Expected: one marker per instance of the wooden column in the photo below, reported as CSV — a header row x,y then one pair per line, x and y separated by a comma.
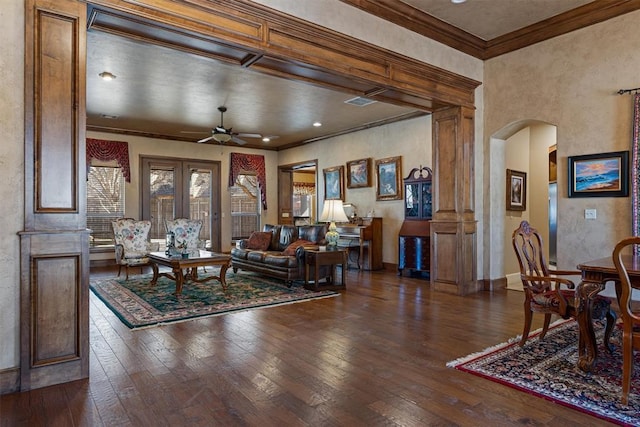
x,y
453,228
54,245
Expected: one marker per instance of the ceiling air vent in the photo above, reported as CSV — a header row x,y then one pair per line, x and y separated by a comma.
x,y
359,101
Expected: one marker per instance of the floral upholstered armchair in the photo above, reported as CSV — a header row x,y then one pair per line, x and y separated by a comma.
x,y
132,243
186,233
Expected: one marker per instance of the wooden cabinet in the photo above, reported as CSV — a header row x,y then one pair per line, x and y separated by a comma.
x,y
414,239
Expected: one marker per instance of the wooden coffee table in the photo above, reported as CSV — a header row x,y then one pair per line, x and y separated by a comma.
x,y
184,269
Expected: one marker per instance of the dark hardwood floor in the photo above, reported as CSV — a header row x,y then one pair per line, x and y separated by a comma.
x,y
374,356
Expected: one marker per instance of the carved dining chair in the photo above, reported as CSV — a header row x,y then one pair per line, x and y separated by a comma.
x,y
630,318
132,245
543,288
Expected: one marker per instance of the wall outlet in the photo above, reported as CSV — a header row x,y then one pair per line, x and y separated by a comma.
x,y
590,214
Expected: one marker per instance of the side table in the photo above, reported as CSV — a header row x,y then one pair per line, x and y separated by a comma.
x,y
315,259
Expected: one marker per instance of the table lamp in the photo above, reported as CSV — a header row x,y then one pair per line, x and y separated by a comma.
x,y
332,212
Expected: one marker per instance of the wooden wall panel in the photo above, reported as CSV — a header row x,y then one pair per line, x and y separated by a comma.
x,y
453,228
445,132
55,298
56,56
54,244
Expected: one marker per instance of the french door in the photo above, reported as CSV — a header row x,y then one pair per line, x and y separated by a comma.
x,y
181,188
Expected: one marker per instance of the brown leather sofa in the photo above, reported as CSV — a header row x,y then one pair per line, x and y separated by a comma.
x,y
276,261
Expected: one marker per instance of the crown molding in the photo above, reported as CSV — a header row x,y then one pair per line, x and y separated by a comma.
x,y
422,23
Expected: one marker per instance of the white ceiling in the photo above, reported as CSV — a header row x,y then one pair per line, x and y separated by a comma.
x,y
168,93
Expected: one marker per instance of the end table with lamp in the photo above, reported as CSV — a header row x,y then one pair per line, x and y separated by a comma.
x,y
331,256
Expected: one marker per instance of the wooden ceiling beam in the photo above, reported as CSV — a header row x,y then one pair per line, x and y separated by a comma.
x,y
287,46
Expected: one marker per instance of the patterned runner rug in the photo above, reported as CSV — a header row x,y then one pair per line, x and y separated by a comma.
x,y
548,369
139,304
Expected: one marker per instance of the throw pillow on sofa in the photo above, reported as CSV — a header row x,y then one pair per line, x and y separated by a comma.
x,y
259,240
291,249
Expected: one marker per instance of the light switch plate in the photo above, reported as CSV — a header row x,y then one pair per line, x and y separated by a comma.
x,y
590,214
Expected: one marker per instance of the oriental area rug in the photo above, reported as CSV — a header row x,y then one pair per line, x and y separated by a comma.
x,y
547,368
138,304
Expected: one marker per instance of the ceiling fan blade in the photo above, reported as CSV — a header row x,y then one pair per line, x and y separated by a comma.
x,y
195,131
238,140
249,135
206,139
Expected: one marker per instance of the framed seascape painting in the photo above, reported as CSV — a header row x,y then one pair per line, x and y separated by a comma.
x,y
334,183
359,173
599,175
516,190
388,177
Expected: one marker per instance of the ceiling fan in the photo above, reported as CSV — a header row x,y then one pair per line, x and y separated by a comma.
x,y
221,134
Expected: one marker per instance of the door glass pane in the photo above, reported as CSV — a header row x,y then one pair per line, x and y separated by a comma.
x,y
162,200
200,201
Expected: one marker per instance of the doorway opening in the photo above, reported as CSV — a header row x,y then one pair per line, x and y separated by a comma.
x,y
297,201
527,146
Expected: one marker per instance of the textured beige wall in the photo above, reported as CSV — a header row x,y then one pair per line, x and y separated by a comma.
x,y
11,167
571,82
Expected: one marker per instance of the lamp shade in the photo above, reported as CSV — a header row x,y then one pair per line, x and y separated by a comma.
x,y
333,211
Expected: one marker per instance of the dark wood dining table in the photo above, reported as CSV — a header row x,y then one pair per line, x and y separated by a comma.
x,y
595,275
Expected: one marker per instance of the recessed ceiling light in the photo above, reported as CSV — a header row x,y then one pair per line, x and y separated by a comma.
x,y
107,76
458,1
317,124
266,139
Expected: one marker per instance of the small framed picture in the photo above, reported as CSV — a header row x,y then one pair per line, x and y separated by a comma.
x,y
334,183
388,176
599,175
516,190
359,173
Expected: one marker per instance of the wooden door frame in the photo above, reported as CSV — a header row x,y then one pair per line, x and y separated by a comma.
x,y
243,33
285,188
181,179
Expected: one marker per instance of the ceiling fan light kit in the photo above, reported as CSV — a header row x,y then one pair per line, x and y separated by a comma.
x,y
221,134
221,137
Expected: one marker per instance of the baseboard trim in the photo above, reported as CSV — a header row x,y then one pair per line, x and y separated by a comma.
x,y
9,380
495,284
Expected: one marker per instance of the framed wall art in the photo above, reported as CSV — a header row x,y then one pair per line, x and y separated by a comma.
x,y
599,175
516,190
388,178
334,183
359,173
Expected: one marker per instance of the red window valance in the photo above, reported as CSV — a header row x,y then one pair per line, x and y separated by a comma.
x,y
249,163
107,151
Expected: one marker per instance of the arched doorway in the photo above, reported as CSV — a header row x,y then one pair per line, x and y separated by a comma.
x,y
524,146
